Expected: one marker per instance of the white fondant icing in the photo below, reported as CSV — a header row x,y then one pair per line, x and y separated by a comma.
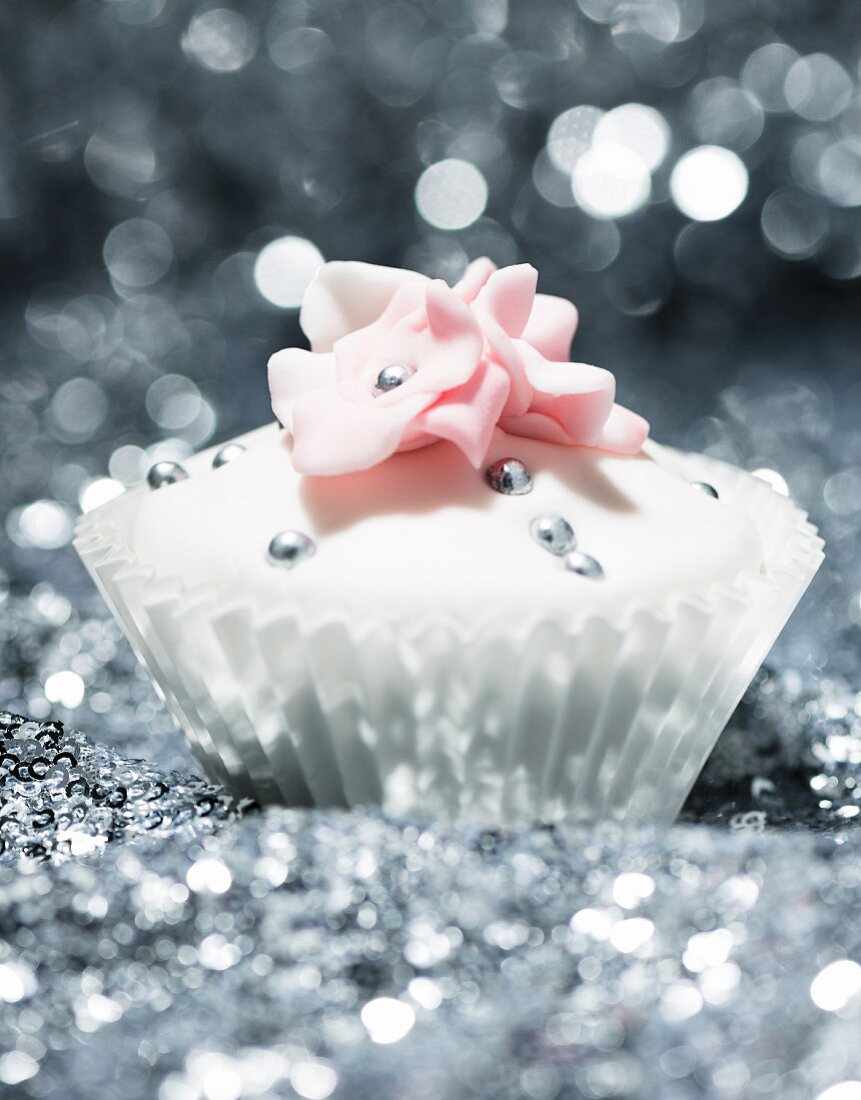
x,y
424,531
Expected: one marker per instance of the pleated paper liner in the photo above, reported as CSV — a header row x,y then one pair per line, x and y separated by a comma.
x,y
549,720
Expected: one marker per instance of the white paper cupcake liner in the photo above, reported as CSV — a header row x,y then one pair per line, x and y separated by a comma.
x,y
544,720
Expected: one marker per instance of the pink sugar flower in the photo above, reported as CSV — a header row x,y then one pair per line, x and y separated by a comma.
x,y
398,361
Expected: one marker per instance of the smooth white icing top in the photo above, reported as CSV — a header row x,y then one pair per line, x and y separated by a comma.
x,y
424,532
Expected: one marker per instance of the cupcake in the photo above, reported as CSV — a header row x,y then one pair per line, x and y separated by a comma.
x,y
455,578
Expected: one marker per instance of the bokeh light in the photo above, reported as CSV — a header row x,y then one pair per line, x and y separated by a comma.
x,y
78,409
98,491
722,113
451,194
817,87
313,1080
387,1020
641,129
42,525
603,159
764,74
173,401
839,173
610,181
128,464
284,269
793,223
120,160
844,1090
708,183
137,253
220,39
570,136
836,985
65,688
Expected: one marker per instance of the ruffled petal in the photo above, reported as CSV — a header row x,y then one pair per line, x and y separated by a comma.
x,y
294,372
536,425
508,296
474,278
488,351
581,415
354,351
564,379
332,435
348,295
576,395
551,326
468,415
440,342
451,344
491,307
625,432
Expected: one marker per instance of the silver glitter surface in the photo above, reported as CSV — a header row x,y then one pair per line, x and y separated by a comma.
x,y
336,954
61,795
171,176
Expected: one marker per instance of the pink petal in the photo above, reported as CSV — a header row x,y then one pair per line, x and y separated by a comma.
x,y
577,396
345,296
449,349
535,425
508,297
294,372
564,379
503,351
625,432
353,351
332,435
501,346
474,278
448,317
551,326
440,341
468,415
581,415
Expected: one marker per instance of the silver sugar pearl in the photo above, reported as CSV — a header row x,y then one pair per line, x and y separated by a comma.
x,y
584,565
165,473
288,548
509,476
704,487
228,453
554,533
391,377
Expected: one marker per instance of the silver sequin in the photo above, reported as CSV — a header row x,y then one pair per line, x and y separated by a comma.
x,y
509,476
584,565
391,377
228,453
288,548
554,533
704,487
165,473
